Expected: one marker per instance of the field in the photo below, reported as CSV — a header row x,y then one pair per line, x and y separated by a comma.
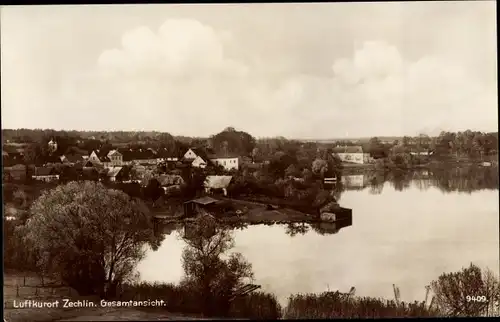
x,y
20,287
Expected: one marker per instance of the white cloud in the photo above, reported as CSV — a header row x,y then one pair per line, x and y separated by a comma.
x,y
179,79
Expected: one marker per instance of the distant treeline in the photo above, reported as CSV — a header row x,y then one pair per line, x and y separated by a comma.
x,y
461,144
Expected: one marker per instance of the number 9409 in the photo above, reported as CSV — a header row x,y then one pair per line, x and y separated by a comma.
x,y
478,298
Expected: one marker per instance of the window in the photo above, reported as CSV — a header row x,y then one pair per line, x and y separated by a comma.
x,y
224,162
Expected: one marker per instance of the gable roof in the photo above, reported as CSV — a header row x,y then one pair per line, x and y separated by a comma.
x,y
348,149
201,152
217,182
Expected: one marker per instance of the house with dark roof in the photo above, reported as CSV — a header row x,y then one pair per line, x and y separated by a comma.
x,y
140,156
71,158
46,174
98,158
351,154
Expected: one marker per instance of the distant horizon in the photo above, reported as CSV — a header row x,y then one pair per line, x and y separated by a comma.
x,y
256,137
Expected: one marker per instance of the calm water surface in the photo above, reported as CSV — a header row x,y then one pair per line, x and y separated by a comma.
x,y
404,232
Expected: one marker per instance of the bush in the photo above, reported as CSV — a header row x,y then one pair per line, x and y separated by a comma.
x,y
257,305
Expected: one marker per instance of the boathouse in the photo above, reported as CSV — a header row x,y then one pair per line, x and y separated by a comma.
x,y
192,207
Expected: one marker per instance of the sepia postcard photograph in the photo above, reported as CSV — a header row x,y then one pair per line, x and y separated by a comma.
x,y
250,161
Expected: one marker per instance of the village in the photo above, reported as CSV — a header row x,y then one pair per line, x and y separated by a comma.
x,y
222,181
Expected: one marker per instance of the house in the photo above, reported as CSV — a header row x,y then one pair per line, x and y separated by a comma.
x,y
71,158
46,174
113,173
12,158
196,157
16,172
52,159
229,161
192,207
191,154
115,157
215,183
97,158
199,163
170,182
140,156
352,154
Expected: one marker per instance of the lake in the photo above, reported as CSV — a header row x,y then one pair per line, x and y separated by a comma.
x,y
407,229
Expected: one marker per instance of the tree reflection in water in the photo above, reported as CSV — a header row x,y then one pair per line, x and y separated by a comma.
x,y
446,179
293,229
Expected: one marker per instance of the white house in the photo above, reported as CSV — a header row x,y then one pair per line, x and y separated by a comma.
x,y
352,154
229,162
94,158
190,154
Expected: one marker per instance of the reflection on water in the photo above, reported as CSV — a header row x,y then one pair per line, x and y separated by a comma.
x,y
409,229
461,179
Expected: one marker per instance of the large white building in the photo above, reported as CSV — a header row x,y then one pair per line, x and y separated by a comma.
x,y
352,154
227,161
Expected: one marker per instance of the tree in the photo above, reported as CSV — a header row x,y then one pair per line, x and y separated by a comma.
x,y
237,141
89,236
212,278
153,190
451,291
292,171
255,154
319,167
376,148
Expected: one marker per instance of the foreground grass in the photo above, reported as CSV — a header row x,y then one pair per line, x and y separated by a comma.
x,y
257,305
330,305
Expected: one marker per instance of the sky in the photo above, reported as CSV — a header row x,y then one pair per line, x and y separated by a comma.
x,y
315,71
